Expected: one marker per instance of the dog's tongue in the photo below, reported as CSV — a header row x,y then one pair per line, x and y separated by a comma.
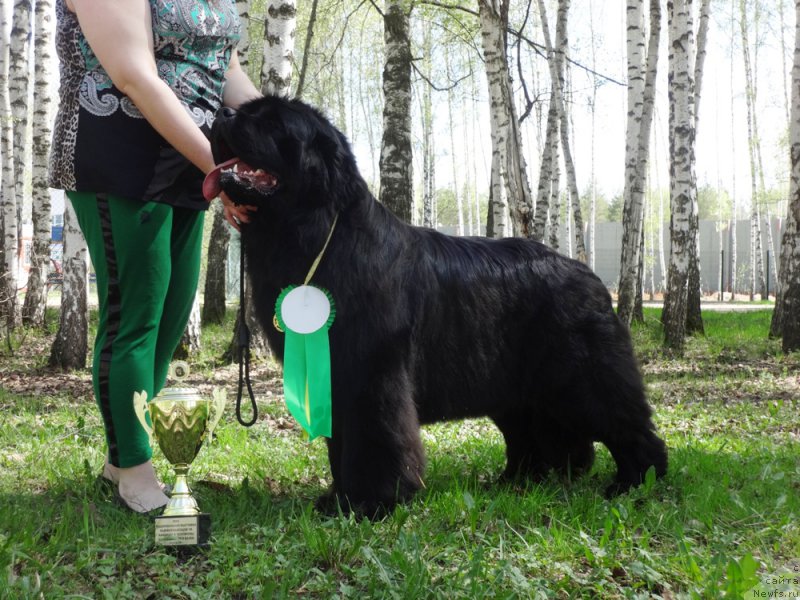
x,y
211,186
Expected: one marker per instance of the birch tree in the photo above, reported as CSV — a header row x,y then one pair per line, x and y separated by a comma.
x,y
428,140
569,163
396,169
694,317
757,279
279,31
35,298
215,291
276,76
786,317
642,71
190,340
683,186
18,87
312,22
548,168
243,48
71,344
8,212
504,125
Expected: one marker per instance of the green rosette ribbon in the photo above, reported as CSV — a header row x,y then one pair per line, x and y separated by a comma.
x,y
305,313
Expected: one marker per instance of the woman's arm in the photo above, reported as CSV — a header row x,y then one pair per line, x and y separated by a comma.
x,y
238,87
120,34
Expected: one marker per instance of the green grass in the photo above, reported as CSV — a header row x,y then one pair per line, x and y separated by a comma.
x,y
726,516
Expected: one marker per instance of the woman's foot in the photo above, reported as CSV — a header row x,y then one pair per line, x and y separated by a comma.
x,y
111,474
138,487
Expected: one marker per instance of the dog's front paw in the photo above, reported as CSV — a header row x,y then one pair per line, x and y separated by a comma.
x,y
332,504
328,504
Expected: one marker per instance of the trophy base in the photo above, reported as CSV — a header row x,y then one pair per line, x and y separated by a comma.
x,y
187,532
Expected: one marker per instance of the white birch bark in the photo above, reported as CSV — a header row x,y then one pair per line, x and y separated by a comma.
x,y
786,316
554,202
429,216
190,340
312,22
549,164
243,49
35,298
593,179
734,237
562,47
785,69
497,225
642,70
71,343
396,168
279,32
683,186
19,84
506,135
694,317
14,133
757,271
215,288
451,123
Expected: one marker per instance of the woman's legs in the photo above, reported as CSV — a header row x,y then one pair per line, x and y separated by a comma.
x,y
185,248
146,265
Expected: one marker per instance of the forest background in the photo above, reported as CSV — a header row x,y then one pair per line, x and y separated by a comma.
x,y
338,56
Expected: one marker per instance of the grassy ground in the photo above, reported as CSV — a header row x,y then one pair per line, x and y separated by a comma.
x,y
726,518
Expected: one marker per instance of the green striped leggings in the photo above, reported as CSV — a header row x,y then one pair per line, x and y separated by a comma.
x,y
147,260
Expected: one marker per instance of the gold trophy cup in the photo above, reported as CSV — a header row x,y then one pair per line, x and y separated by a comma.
x,y
181,420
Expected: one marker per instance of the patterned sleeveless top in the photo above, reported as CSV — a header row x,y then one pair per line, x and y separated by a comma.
x,y
102,143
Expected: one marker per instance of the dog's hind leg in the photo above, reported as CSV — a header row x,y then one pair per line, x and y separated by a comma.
x,y
634,456
536,444
609,405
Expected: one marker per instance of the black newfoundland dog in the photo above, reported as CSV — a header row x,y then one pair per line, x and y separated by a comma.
x,y
429,327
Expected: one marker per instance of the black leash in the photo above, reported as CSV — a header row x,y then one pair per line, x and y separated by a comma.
x,y
243,349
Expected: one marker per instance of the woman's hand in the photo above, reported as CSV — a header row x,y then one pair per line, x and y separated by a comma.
x,y
235,214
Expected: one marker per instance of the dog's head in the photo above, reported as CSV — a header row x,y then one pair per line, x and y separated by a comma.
x,y
280,154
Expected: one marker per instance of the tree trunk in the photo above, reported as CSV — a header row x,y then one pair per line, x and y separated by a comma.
x,y
453,160
14,169
757,271
396,169
786,317
506,138
569,164
683,186
279,30
71,344
215,292
549,164
642,73
312,21
190,340
554,202
694,316
243,48
734,238
429,216
593,153
36,297
496,223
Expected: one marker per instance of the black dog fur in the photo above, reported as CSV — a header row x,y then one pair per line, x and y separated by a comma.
x,y
431,327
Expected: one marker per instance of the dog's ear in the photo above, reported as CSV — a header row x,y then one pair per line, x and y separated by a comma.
x,y
323,160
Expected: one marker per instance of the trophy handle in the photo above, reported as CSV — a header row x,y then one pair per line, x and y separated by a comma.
x,y
141,410
217,406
